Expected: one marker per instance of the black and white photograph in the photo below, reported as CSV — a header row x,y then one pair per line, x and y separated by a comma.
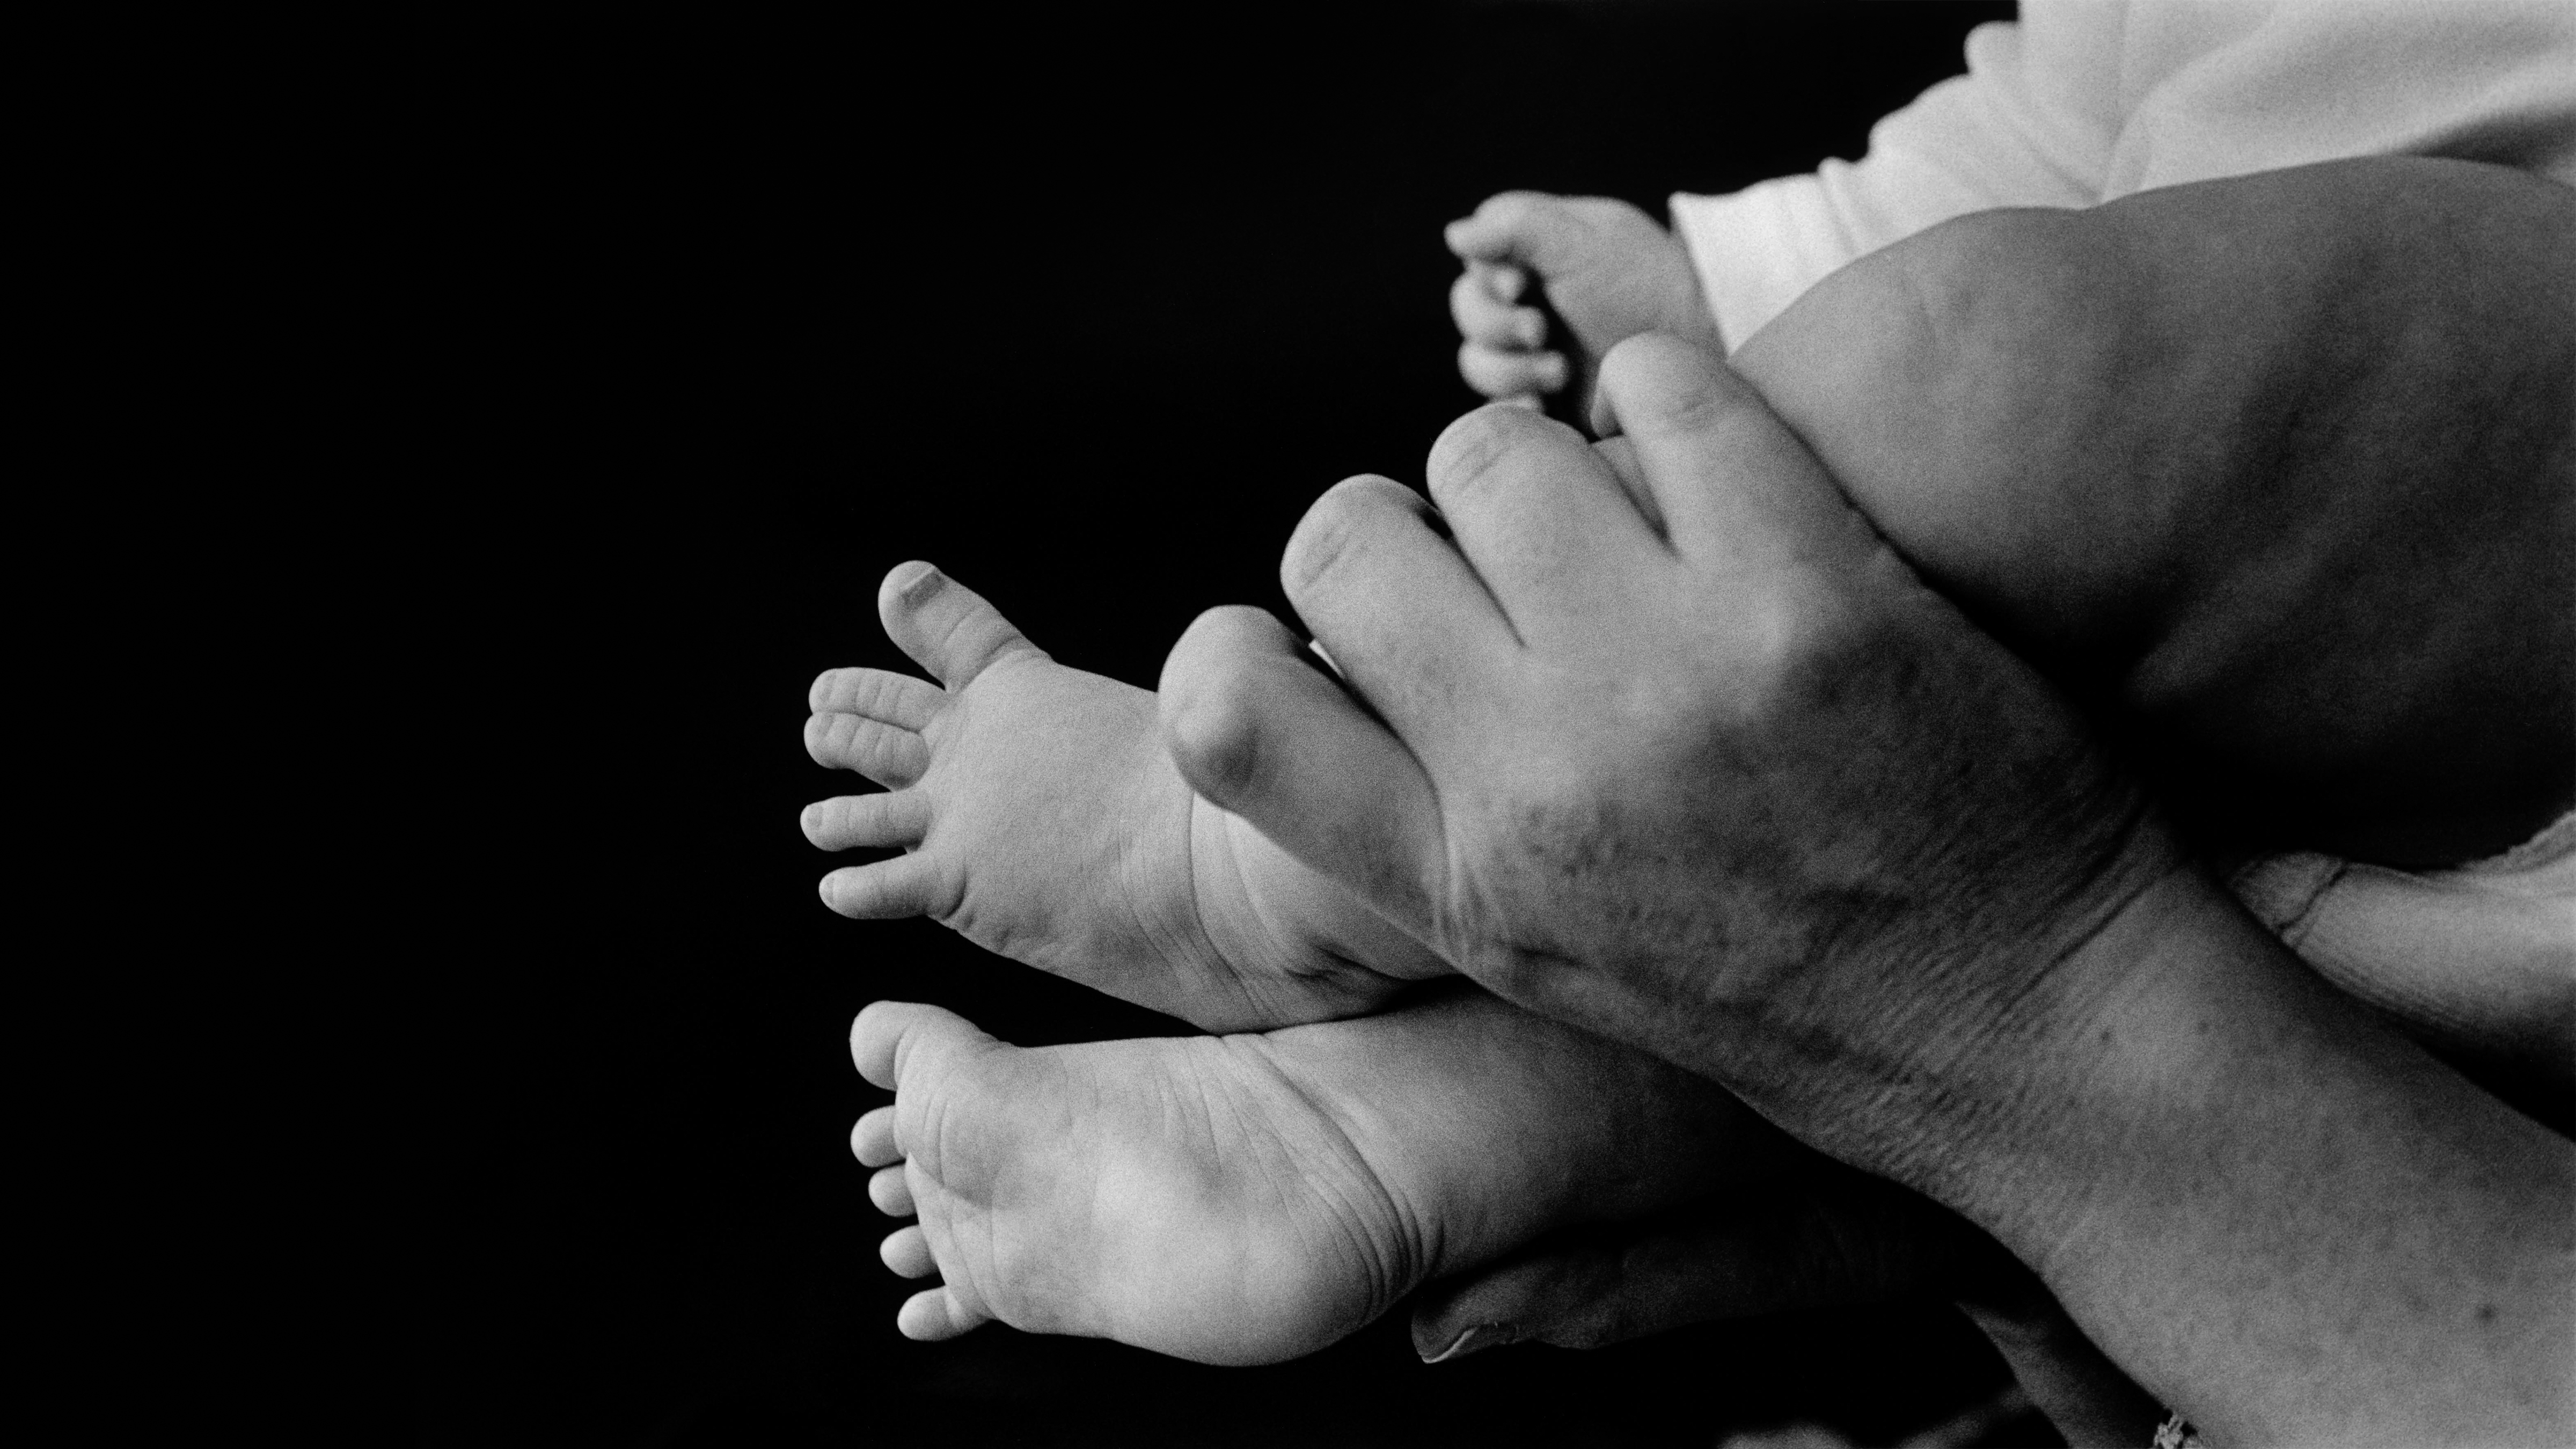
x,y
1463,723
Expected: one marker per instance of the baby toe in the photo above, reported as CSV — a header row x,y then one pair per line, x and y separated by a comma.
x,y
936,1313
944,626
889,890
890,756
872,1141
907,1252
867,821
891,1192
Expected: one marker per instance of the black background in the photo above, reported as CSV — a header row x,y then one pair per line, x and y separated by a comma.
x,y
699,331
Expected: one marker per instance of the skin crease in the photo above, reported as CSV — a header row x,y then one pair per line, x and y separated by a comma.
x,y
1949,946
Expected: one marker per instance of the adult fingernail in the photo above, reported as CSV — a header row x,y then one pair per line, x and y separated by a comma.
x,y
1476,1339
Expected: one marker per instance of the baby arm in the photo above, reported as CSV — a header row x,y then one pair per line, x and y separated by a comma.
x,y
1041,818
1608,270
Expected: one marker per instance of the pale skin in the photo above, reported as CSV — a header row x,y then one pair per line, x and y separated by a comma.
x,y
1224,997
1042,819
1903,907
2320,372
1253,1197
1608,270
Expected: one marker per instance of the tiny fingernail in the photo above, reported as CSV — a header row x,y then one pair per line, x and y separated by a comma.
x,y
1475,1340
811,821
823,888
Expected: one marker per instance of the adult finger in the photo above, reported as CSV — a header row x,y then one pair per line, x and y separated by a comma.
x,y
1730,479
1621,456
1259,731
1405,619
1542,518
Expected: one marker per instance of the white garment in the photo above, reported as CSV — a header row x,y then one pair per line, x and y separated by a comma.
x,y
2083,101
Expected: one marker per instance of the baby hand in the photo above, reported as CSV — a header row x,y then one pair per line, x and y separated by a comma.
x,y
1607,268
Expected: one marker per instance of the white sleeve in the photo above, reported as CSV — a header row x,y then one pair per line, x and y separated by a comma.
x,y
2084,101
2319,80
2032,123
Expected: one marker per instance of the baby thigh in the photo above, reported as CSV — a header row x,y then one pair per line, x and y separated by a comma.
x,y
2275,472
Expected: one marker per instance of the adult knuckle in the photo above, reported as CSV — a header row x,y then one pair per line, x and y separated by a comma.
x,y
1327,540
1216,735
1797,644
1469,450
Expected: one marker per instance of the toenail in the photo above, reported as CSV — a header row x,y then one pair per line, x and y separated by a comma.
x,y
921,586
1476,1339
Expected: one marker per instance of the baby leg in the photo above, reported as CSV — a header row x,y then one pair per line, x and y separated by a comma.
x,y
2277,469
1246,1199
1041,818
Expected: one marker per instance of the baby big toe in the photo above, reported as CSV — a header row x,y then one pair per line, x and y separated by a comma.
x,y
906,1037
944,626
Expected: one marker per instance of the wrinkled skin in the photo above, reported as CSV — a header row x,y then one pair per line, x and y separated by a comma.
x,y
1739,789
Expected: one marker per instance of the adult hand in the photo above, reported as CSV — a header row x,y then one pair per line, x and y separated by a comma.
x,y
1728,783
1824,1238
1723,780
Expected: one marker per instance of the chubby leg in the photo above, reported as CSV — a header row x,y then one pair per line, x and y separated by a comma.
x,y
2279,472
1245,1199
1041,818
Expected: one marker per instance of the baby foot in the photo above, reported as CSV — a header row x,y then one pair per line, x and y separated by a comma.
x,y
1607,269
1246,1199
1042,819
